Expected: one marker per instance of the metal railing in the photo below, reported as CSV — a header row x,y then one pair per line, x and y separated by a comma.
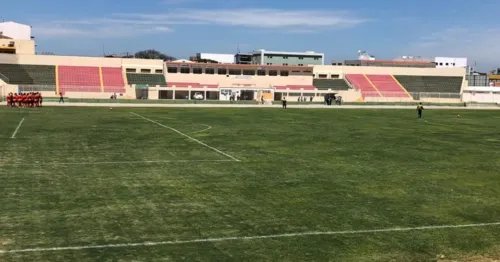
x,y
437,97
4,78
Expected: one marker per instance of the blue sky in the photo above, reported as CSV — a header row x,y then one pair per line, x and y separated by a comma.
x,y
384,28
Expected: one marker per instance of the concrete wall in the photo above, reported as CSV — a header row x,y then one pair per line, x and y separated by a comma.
x,y
23,47
80,61
292,60
240,81
341,70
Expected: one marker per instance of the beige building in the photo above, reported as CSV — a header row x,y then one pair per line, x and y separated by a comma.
x,y
154,79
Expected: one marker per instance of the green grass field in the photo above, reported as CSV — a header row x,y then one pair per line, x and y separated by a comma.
x,y
78,177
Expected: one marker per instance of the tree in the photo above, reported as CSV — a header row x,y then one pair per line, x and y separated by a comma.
x,y
153,54
209,61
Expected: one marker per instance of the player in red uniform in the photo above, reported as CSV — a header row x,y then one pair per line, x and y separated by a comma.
x,y
36,98
24,99
17,99
9,100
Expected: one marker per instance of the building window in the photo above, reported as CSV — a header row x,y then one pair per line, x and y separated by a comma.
x,y
322,76
316,58
284,73
335,76
131,70
301,57
301,64
159,71
172,69
446,63
145,70
248,72
222,71
185,70
285,57
269,63
209,71
269,56
285,64
235,72
273,72
440,64
453,64
197,70
261,72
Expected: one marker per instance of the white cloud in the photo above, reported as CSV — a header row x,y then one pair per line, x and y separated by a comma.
x,y
104,30
477,44
129,24
260,18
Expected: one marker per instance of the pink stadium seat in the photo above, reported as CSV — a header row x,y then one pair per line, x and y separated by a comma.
x,y
360,82
112,79
387,86
79,79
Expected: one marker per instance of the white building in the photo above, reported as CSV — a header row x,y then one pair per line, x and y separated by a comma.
x,y
266,57
221,58
15,30
450,62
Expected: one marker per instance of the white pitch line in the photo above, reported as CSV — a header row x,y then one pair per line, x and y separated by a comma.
x,y
17,128
208,128
221,239
187,136
116,162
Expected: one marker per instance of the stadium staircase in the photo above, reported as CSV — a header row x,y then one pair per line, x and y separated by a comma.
x,y
333,84
112,80
361,82
29,78
431,84
79,79
146,79
388,86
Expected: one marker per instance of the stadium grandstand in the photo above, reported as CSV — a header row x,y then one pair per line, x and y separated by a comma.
x,y
404,79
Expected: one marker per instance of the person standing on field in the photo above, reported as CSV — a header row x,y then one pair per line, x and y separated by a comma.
x,y
61,98
420,108
283,102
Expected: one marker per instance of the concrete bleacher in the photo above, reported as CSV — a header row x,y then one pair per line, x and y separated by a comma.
x,y
333,84
79,79
361,82
388,86
431,84
146,79
112,80
17,74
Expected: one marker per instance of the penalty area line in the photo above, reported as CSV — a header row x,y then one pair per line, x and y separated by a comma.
x,y
187,136
222,239
17,128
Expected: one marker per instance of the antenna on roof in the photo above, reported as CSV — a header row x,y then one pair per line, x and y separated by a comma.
x,y
238,48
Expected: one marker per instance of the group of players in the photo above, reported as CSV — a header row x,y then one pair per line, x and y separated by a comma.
x,y
24,100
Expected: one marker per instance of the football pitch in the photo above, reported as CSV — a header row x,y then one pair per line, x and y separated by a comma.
x,y
248,184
